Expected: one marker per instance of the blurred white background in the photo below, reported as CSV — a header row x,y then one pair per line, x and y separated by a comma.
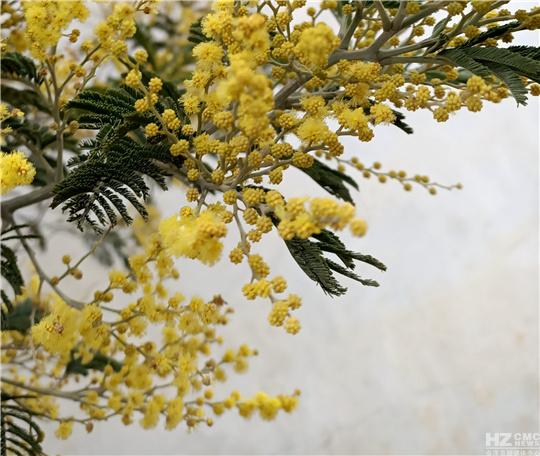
x,y
443,352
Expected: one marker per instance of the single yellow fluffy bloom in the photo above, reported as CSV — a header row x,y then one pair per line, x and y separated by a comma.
x,y
194,236
58,332
382,114
64,430
358,227
315,45
15,169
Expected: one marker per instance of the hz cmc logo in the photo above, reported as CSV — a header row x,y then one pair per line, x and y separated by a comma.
x,y
513,443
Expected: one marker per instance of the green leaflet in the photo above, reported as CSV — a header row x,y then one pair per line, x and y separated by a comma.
x,y
309,255
98,362
19,433
494,32
333,181
527,51
10,269
399,122
512,80
16,66
110,174
507,64
521,64
462,59
438,28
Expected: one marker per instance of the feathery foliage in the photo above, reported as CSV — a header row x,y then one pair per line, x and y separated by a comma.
x,y
111,170
309,255
506,64
95,108
107,175
20,435
19,67
333,181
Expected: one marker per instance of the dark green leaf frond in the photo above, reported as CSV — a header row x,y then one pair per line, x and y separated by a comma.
x,y
506,64
20,435
333,181
309,255
98,362
109,175
17,66
196,34
494,32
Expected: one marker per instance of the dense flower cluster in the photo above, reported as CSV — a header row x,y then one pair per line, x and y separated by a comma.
x,y
46,20
141,377
230,92
194,236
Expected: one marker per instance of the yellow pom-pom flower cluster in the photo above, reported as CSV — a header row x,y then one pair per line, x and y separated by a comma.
x,y
196,237
46,20
141,379
270,89
15,170
302,220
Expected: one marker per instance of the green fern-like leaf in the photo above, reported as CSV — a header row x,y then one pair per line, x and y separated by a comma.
x,y
507,64
462,59
196,34
19,67
494,32
333,181
108,176
20,435
521,64
512,81
532,52
350,274
10,269
95,108
309,255
330,242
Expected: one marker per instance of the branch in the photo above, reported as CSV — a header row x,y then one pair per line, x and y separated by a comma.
x,y
419,59
43,391
282,95
43,276
386,22
400,15
412,47
352,27
11,205
424,12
